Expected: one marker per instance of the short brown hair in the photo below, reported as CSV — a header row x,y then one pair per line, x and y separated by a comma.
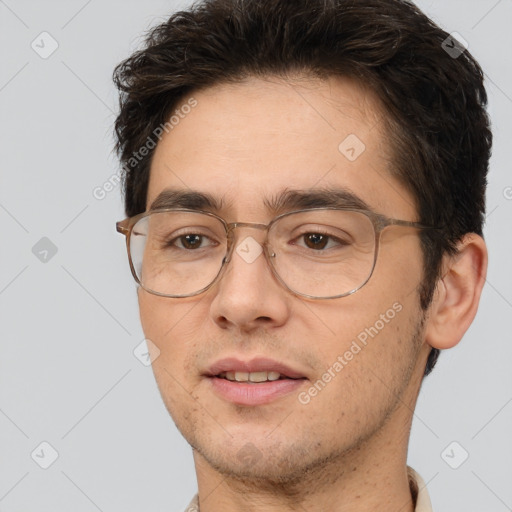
x,y
435,98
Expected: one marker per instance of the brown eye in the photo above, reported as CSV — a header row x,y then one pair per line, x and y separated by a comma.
x,y
190,241
315,240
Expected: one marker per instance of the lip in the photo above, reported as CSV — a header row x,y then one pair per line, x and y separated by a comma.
x,y
252,394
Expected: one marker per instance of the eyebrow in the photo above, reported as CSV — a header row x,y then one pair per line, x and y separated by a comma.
x,y
286,200
188,199
315,198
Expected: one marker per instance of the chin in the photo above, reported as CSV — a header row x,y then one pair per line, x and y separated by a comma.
x,y
275,462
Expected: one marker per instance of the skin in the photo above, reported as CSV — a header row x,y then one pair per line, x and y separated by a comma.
x,y
346,449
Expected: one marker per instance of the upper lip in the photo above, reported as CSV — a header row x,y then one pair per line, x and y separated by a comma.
x,y
258,364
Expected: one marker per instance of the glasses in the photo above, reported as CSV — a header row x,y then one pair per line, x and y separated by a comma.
x,y
319,253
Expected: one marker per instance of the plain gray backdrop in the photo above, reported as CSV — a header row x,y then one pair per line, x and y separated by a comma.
x,y
69,322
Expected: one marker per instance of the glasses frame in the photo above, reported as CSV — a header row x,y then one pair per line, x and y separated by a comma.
x,y
379,222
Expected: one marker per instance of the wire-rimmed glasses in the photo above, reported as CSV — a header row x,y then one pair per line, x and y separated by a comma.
x,y
319,253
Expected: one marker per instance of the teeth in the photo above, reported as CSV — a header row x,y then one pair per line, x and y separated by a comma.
x,y
273,375
258,376
250,376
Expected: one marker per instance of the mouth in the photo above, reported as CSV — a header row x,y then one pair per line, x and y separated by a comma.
x,y
252,377
256,382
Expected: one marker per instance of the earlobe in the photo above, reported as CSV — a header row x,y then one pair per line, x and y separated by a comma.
x,y
457,293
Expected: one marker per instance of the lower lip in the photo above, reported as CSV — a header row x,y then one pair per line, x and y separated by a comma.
x,y
242,393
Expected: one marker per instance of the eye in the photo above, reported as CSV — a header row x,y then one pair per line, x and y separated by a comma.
x,y
318,241
191,241
315,240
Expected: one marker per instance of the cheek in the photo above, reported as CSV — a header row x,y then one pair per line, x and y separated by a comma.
x,y
167,325
153,317
369,338
373,345
392,304
399,268
367,367
163,318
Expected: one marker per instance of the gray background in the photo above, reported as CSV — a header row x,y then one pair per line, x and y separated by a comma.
x,y
69,321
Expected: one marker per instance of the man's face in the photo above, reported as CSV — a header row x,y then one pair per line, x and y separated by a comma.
x,y
244,144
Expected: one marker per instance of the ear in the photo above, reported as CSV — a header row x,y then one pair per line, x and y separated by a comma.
x,y
457,293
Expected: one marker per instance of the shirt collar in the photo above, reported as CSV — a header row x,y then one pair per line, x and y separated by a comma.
x,y
418,490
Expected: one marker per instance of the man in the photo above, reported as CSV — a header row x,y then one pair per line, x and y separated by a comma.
x,y
304,185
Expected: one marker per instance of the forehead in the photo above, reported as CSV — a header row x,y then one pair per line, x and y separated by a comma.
x,y
244,144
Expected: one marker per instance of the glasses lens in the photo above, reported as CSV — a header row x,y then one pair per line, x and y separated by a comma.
x,y
323,253
320,253
177,253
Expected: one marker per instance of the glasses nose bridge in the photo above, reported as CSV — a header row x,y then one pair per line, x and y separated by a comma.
x,y
253,225
230,229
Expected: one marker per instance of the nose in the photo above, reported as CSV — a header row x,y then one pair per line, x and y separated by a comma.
x,y
248,295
